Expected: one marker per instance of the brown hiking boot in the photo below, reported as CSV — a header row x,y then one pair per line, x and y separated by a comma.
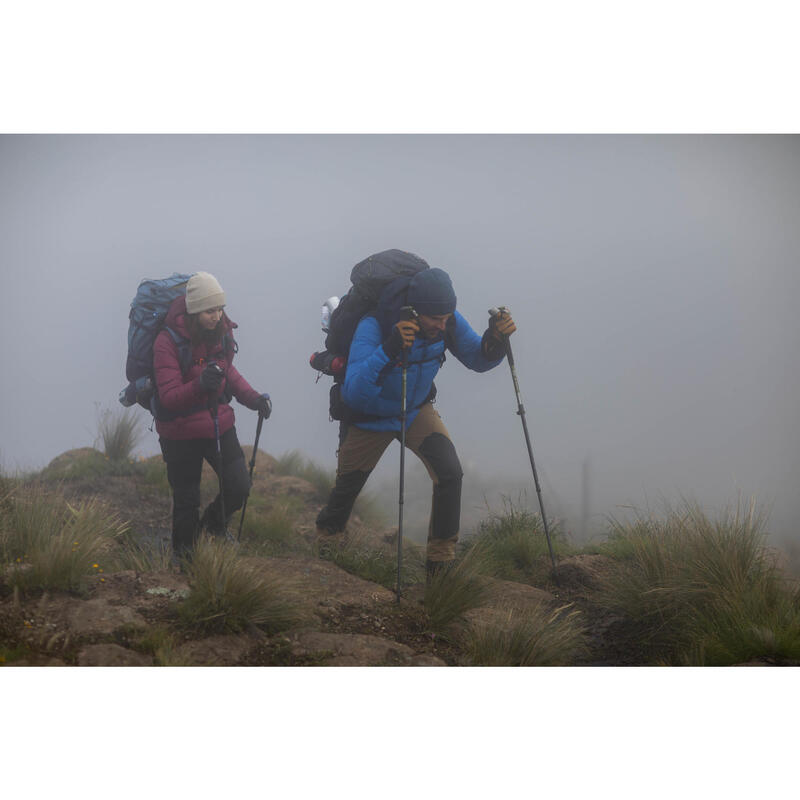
x,y
328,541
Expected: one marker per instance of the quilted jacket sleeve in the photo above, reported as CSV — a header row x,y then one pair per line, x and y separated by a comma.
x,y
364,364
469,348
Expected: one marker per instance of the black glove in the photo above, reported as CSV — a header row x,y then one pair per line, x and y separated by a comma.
x,y
211,377
401,337
264,406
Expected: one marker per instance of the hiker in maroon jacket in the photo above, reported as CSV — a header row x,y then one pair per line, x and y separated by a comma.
x,y
184,398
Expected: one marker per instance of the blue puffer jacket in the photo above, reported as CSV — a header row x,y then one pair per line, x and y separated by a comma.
x,y
371,387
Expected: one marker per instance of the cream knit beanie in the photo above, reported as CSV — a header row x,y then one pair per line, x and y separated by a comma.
x,y
203,292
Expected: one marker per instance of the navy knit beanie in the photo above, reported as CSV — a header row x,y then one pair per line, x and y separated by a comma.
x,y
431,293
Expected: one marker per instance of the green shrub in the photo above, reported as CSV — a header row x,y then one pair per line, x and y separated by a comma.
x,y
51,544
512,545
760,624
535,637
707,591
228,593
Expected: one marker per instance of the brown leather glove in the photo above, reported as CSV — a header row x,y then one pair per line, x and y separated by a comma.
x,y
401,337
502,325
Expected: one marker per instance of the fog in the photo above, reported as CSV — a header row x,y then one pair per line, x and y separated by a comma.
x,y
653,280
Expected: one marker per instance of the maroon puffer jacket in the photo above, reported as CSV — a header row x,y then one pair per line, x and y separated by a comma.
x,y
179,391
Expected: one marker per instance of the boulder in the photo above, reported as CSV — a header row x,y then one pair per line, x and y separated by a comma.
x,y
218,651
356,650
321,584
112,655
97,617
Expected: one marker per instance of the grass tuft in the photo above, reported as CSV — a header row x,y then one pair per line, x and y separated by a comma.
x,y
708,591
537,637
141,556
120,432
229,594
452,592
51,544
512,545
164,645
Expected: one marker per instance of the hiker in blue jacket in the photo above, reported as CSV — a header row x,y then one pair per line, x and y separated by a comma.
x,y
372,389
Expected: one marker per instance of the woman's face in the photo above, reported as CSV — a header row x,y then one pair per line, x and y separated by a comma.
x,y
210,319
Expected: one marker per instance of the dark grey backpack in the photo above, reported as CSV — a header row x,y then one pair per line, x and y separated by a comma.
x,y
369,278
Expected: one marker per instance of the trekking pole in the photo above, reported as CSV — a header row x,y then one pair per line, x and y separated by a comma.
x,y
252,466
406,313
493,312
214,408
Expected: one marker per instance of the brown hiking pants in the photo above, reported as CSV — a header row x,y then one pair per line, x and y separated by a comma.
x,y
359,452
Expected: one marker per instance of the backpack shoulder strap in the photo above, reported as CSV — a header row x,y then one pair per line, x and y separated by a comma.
x,y
184,347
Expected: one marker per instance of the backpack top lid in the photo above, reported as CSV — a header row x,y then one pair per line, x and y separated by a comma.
x,y
371,275
148,311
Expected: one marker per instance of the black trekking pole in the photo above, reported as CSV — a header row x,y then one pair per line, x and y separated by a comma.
x,y
214,408
493,312
252,467
406,313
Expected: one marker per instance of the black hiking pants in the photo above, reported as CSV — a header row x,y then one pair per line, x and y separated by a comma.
x,y
359,452
184,459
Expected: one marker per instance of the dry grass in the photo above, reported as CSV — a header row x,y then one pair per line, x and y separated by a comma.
x,y
536,637
120,432
513,546
708,590
228,593
51,544
132,553
452,592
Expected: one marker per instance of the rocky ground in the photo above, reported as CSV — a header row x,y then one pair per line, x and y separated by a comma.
x,y
128,617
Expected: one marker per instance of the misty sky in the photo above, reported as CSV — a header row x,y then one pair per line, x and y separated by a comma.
x,y
653,280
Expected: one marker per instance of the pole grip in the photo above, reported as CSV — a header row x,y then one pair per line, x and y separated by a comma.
x,y
408,313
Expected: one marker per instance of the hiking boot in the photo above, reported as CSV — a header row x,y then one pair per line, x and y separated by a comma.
x,y
179,560
329,541
210,525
